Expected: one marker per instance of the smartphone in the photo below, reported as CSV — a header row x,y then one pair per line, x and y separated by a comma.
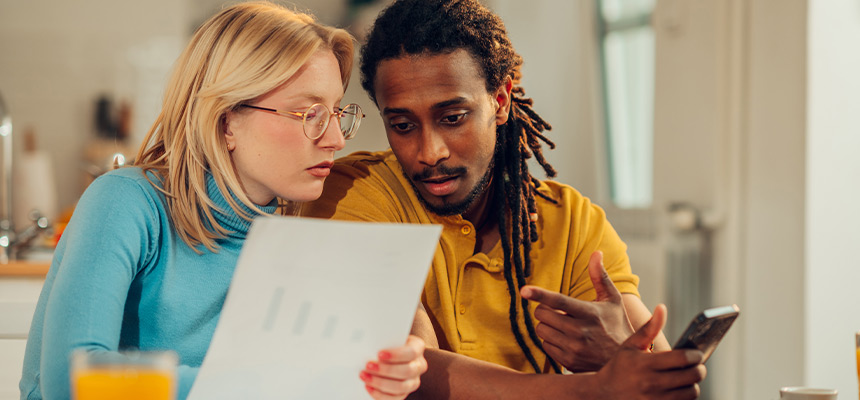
x,y
707,329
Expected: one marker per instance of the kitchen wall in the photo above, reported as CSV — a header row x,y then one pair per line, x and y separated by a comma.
x,y
57,57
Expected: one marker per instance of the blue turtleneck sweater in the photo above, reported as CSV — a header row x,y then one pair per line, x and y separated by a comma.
x,y
122,279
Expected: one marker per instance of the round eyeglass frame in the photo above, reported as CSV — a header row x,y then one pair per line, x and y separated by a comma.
x,y
347,132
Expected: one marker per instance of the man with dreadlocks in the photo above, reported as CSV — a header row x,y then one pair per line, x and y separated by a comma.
x,y
445,78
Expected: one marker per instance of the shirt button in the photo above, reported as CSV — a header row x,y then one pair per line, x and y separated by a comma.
x,y
466,229
462,309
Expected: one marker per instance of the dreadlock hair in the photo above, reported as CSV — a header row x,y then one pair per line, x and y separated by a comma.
x,y
415,27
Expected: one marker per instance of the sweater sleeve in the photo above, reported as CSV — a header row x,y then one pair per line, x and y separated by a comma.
x,y
109,240
102,249
186,376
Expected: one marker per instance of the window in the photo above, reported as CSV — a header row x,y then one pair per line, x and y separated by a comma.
x,y
627,55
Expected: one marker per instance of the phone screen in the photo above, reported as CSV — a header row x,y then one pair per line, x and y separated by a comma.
x,y
707,329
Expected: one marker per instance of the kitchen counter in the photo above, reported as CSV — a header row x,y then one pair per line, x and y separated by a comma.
x,y
25,269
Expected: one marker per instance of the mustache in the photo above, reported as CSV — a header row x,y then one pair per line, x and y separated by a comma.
x,y
441,170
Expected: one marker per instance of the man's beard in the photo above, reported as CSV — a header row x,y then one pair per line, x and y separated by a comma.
x,y
447,209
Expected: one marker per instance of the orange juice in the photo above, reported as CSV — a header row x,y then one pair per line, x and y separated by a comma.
x,y
134,375
128,384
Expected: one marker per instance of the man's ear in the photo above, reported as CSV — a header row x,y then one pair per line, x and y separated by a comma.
x,y
502,98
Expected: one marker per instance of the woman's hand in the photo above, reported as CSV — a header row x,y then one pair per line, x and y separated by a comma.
x,y
397,372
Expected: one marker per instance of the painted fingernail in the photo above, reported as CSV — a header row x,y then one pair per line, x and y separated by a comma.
x,y
372,366
384,355
364,376
694,356
369,389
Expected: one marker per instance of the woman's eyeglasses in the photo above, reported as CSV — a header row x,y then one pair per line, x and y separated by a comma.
x,y
315,120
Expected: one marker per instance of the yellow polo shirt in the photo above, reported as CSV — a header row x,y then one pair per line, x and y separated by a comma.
x,y
466,294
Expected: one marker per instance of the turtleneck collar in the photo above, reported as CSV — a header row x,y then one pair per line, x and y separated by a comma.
x,y
228,218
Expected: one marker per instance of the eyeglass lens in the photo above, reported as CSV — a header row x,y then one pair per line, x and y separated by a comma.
x,y
350,118
317,119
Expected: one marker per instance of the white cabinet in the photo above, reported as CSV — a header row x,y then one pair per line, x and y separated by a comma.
x,y
18,296
12,351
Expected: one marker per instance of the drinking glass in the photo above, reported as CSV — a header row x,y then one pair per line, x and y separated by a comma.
x,y
128,375
857,346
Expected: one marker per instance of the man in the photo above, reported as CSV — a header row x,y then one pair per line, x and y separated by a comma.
x,y
444,76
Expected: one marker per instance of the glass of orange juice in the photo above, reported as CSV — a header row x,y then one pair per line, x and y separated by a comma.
x,y
127,375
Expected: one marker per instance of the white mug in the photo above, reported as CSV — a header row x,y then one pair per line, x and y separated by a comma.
x,y
806,393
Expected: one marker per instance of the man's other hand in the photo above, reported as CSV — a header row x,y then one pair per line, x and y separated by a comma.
x,y
582,335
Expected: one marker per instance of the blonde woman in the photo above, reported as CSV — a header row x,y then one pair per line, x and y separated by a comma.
x,y
251,120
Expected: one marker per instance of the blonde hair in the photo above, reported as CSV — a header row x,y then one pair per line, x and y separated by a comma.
x,y
240,54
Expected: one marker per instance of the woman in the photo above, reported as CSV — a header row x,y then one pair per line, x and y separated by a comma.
x,y
146,261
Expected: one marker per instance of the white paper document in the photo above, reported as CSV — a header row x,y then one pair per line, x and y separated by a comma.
x,y
311,302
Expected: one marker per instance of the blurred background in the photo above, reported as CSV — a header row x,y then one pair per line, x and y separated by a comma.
x,y
721,137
